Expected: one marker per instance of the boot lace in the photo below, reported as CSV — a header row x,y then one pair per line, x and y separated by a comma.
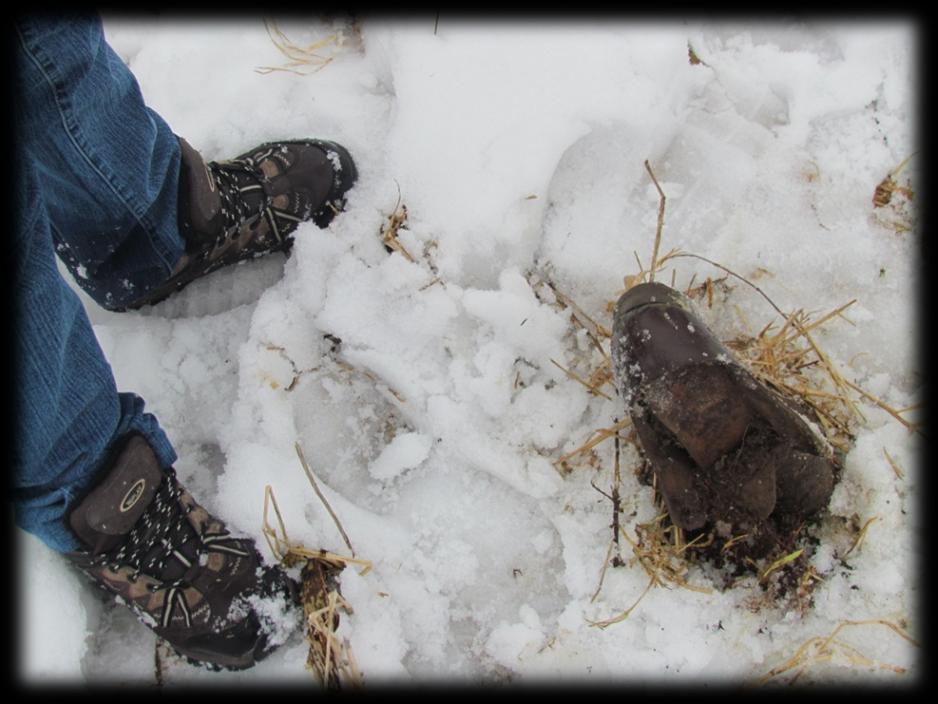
x,y
235,180
163,545
238,180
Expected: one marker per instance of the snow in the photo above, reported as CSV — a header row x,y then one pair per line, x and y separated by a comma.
x,y
53,640
433,427
405,451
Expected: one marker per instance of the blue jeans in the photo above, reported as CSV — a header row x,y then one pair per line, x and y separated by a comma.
x,y
96,182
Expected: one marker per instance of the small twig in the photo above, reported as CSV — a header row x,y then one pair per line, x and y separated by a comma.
x,y
600,491
732,541
616,501
157,664
913,407
638,261
914,427
396,220
274,541
598,437
895,465
822,651
661,202
746,281
693,58
835,375
602,573
625,614
312,480
284,550
781,562
836,312
595,330
832,370
860,537
577,378
900,167
299,56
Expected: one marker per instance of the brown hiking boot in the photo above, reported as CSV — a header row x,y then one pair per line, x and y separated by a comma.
x,y
204,591
249,206
723,445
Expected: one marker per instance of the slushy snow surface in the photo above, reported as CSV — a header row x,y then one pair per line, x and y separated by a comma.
x,y
433,427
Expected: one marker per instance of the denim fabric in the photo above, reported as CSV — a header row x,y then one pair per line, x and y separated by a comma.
x,y
96,183
108,165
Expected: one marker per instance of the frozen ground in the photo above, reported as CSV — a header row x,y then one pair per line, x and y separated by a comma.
x,y
518,150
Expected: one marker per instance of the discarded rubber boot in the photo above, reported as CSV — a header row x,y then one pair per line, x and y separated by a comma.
x,y
150,545
249,206
723,446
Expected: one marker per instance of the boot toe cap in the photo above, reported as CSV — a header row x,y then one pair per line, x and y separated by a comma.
x,y
236,648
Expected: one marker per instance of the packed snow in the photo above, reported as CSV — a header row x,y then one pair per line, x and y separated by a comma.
x,y
434,425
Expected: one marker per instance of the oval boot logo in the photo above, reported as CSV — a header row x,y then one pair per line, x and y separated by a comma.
x,y
133,495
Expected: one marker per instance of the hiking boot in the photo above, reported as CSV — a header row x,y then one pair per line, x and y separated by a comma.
x,y
204,591
249,206
722,444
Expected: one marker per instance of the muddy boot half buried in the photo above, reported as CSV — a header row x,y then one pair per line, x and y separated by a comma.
x,y
724,447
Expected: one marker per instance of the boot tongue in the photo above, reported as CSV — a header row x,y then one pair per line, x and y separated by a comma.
x,y
199,202
115,504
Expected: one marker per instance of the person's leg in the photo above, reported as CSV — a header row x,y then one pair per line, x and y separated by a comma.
x,y
99,185
93,476
67,409
109,165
